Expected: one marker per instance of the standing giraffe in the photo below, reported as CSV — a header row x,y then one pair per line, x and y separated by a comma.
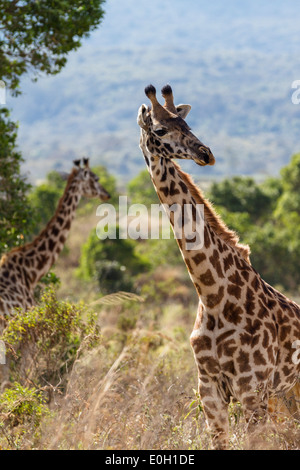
x,y
245,331
23,267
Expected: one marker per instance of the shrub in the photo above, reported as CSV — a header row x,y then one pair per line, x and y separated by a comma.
x,y
21,404
114,263
22,411
46,339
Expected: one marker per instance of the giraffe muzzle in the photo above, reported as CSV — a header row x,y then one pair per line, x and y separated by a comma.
x,y
204,156
105,196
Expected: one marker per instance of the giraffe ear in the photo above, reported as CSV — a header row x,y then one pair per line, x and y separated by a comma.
x,y
86,162
141,119
77,163
183,110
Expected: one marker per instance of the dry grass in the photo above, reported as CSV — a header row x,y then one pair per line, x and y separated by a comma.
x,y
136,389
144,398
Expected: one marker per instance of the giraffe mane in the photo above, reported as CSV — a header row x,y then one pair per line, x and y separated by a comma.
x,y
43,231
213,219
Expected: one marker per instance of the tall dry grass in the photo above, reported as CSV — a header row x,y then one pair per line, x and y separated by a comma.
x,y
136,388
144,397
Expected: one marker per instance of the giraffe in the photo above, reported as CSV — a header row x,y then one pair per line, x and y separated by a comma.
x,y
245,331
23,267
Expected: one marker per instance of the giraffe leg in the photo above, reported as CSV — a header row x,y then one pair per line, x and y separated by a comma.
x,y
292,401
286,406
254,408
4,362
216,412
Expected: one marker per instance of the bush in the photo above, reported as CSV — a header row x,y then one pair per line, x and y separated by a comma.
x,y
44,199
114,263
46,339
21,404
242,194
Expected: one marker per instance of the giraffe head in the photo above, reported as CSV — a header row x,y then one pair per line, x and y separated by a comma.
x,y
164,132
89,182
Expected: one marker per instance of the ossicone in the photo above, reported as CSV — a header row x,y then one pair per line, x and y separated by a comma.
x,y
167,94
150,91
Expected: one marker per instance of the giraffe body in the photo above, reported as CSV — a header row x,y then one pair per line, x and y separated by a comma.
x,y
245,330
22,268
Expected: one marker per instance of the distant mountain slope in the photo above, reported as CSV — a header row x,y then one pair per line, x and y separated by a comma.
x,y
233,61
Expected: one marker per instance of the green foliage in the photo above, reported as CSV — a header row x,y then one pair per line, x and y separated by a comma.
x,y
51,323
288,204
16,219
241,194
114,263
21,404
38,35
267,217
290,175
141,190
49,280
108,181
44,199
55,330
161,251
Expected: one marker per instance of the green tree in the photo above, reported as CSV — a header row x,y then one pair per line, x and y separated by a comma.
x,y
141,190
272,257
288,205
267,217
37,35
113,262
242,194
15,212
44,199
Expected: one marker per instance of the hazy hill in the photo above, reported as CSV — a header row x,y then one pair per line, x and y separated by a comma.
x,y
234,62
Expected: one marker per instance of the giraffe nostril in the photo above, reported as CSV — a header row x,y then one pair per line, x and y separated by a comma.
x,y
206,155
105,196
206,158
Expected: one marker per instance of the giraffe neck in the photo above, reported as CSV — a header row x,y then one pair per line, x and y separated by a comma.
x,y
36,258
212,266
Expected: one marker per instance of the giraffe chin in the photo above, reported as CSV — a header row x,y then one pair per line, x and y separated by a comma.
x,y
204,160
104,197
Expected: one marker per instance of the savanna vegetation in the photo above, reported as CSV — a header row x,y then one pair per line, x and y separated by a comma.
x,y
103,361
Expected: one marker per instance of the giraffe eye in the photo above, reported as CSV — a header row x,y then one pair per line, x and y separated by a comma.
x,y
160,132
